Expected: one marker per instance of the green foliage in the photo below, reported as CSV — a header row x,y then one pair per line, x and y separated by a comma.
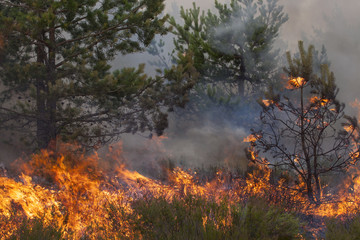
x,y
232,47
37,230
197,218
343,230
55,73
259,221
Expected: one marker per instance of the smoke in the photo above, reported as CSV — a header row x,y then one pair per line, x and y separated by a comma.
x,y
206,146
335,25
330,23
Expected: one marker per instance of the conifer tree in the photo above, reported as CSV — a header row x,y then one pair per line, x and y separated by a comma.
x,y
300,128
55,72
232,46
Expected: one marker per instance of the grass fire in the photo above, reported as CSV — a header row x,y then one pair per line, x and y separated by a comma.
x,y
69,195
146,120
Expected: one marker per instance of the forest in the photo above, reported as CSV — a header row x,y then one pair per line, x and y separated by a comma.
x,y
145,119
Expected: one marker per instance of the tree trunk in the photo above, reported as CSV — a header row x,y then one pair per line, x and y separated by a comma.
x,y
46,125
52,96
309,189
42,129
318,188
241,88
309,177
316,178
45,99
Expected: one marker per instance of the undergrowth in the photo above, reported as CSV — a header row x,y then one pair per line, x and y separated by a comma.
x,y
188,218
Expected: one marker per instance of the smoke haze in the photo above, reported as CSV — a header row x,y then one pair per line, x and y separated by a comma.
x,y
324,22
331,23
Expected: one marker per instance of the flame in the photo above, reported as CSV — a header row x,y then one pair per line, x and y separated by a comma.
x,y
71,190
267,103
322,101
294,83
349,128
250,138
356,104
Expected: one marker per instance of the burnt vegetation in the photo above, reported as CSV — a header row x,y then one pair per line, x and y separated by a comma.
x,y
60,95
303,129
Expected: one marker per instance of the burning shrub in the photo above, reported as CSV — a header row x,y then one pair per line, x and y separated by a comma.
x,y
299,129
81,200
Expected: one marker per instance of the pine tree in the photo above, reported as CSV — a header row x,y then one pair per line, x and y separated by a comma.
x,y
232,47
55,73
300,129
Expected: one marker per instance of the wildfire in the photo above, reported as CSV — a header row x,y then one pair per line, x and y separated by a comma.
x,y
70,190
294,83
322,101
267,103
250,138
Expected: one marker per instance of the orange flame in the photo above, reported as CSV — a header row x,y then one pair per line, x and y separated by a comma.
x,y
323,102
250,138
267,103
69,189
294,83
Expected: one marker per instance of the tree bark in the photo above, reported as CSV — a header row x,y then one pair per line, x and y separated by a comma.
x,y
309,189
316,178
318,188
45,99
309,174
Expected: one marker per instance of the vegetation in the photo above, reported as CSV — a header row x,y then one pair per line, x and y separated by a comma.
x,y
343,230
55,72
36,229
299,129
189,218
232,46
56,81
197,218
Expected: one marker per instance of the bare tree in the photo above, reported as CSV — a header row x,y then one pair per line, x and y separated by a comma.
x,y
300,128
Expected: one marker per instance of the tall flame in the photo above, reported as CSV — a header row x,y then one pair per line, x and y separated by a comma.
x,y
73,191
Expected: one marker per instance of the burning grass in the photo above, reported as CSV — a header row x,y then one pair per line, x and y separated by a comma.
x,y
69,195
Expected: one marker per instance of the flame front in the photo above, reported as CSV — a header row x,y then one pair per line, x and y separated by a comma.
x,y
73,192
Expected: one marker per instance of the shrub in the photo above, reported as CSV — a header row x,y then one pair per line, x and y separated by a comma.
x,y
37,230
198,218
257,220
343,230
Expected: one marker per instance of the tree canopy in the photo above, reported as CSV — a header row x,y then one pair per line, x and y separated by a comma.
x,y
55,75
233,45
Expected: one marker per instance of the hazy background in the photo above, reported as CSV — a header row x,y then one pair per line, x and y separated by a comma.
x,y
331,23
